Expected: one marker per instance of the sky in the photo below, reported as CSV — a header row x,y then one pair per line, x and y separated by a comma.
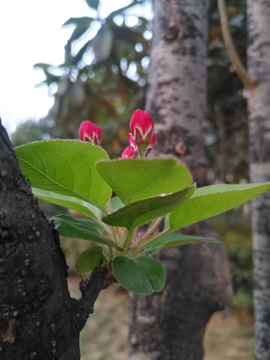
x,y
30,33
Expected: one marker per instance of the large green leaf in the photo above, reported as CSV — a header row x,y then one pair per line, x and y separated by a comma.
x,y
80,228
66,167
213,200
89,259
69,202
141,276
174,239
139,179
143,211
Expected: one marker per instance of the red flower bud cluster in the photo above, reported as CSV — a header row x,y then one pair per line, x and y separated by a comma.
x,y
141,138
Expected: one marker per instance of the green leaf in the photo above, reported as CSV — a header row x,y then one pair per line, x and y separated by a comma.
x,y
175,239
213,200
143,211
82,24
80,228
66,167
116,203
142,275
43,66
102,44
69,202
79,21
89,259
93,3
139,179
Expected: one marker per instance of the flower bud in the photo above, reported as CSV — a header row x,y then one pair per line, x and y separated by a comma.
x,y
141,127
132,143
89,132
128,153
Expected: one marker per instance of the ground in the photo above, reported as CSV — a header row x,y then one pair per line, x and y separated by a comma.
x,y
105,334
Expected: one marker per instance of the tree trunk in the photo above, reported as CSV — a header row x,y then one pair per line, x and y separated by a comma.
x,y
259,127
38,318
170,324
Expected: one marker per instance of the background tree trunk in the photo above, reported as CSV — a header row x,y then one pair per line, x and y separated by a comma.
x,y
259,127
170,324
38,318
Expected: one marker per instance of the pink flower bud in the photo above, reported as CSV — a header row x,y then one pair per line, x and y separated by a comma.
x,y
133,144
89,132
151,145
141,127
128,153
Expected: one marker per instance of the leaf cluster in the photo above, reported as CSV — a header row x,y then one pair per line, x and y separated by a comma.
x,y
81,177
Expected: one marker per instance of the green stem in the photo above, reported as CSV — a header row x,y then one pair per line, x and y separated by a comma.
x,y
105,227
128,239
114,234
152,227
111,252
110,207
123,237
149,242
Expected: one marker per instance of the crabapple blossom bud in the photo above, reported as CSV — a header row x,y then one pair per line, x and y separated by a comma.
x,y
141,127
132,143
89,132
142,133
128,153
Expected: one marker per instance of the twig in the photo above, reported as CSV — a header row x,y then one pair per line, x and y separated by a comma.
x,y
99,280
239,68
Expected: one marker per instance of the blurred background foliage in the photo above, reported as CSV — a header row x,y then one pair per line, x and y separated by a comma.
x,y
104,80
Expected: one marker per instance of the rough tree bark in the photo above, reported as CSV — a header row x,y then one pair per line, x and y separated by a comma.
x,y
170,324
259,127
38,318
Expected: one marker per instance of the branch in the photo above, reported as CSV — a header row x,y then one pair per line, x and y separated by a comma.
x,y
240,70
99,280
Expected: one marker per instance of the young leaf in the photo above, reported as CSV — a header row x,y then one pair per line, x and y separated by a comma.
x,y
80,228
139,179
213,200
69,202
89,259
66,167
142,275
174,239
143,211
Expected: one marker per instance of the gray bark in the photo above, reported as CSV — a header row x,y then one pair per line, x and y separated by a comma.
x,y
171,324
259,127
